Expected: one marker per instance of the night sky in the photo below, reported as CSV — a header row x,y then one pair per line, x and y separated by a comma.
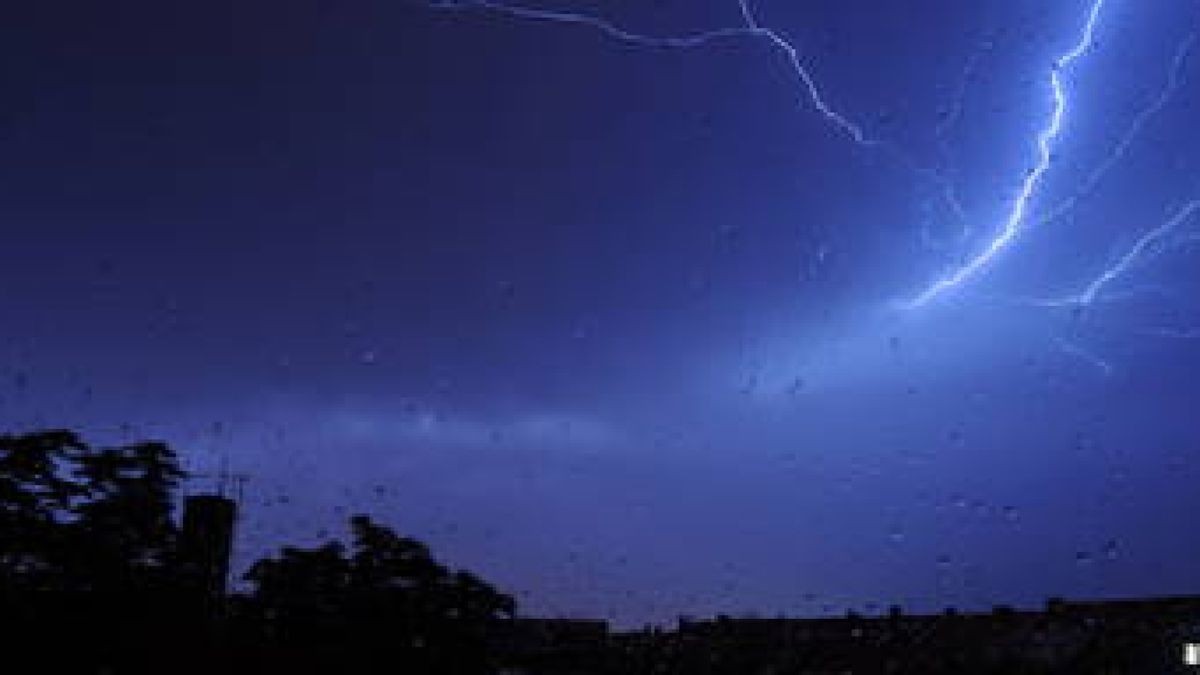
x,y
628,328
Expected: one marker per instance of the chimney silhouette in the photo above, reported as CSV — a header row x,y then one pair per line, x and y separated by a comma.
x,y
205,542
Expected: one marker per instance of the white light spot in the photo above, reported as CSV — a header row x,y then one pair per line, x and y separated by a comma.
x,y
1191,654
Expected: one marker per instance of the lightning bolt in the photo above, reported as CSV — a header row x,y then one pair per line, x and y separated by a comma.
x,y
948,122
1123,264
948,119
805,77
1018,214
855,132
1045,142
1075,350
1174,79
605,26
751,28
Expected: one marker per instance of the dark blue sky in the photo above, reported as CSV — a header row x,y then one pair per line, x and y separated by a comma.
x,y
620,326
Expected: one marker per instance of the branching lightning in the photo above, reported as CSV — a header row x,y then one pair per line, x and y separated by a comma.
x,y
1174,79
1045,142
605,26
1019,214
1072,349
941,132
751,28
814,92
1123,264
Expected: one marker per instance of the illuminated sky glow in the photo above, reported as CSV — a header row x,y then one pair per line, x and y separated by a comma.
x,y
599,299
1018,214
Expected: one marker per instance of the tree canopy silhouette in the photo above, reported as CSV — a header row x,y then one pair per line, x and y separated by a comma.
x,y
384,597
90,551
74,518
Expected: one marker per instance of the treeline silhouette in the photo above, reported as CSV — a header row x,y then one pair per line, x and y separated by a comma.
x,y
97,576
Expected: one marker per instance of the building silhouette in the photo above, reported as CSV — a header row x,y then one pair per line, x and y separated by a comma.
x,y
205,544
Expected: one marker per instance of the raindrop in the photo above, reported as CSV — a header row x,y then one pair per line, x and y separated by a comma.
x,y
796,386
1110,549
1081,442
749,385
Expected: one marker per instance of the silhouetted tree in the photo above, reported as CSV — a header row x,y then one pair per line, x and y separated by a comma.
x,y
389,599
124,527
86,547
90,553
36,497
75,519
301,595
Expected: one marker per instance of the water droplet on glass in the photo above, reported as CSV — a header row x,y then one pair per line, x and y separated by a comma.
x,y
796,386
1110,549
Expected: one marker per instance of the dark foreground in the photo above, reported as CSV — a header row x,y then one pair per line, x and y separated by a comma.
x,y
97,576
97,634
